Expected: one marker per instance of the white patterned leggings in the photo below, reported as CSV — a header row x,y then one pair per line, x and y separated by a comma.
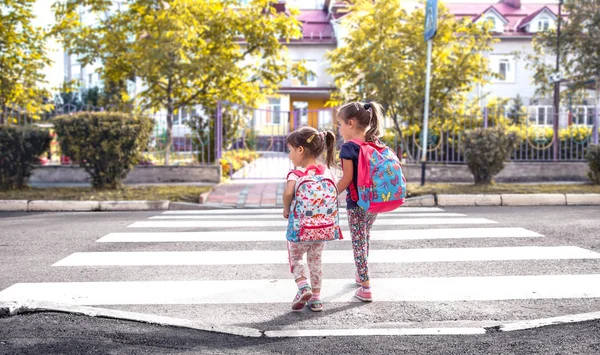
x,y
314,253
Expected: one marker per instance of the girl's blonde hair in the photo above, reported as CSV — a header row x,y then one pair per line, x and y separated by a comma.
x,y
314,142
365,114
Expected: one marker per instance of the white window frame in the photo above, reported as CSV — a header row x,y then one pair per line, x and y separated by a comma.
x,y
274,110
534,115
583,115
510,64
543,23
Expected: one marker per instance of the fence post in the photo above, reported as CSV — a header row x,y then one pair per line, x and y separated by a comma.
x,y
219,133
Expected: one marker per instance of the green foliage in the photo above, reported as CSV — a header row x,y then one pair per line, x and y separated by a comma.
x,y
579,48
486,150
234,160
384,59
107,145
186,52
518,111
22,59
21,147
593,158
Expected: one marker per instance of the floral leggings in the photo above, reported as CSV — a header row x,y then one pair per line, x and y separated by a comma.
x,y
360,223
298,268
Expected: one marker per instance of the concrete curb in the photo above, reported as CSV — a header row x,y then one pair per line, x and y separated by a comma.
x,y
469,200
441,200
534,200
30,306
204,196
81,206
13,205
583,199
421,201
14,308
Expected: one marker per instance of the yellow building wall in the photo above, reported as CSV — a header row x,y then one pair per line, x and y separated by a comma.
x,y
313,104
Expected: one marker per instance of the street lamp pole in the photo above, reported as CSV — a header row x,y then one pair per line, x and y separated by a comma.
x,y
557,86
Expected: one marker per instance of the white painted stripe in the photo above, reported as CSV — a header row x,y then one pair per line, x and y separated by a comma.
x,y
536,323
273,216
409,234
283,223
260,257
371,332
428,289
278,211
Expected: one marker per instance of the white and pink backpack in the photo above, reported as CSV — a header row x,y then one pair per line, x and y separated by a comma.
x,y
314,214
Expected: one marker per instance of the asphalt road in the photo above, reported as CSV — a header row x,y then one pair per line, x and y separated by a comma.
x,y
30,244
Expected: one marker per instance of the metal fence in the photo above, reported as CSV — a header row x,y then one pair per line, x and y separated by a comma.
x,y
240,134
537,141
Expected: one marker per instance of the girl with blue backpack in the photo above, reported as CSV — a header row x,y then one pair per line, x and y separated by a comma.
x,y
372,176
311,207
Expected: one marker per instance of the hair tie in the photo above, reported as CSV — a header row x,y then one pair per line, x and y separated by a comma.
x,y
367,106
323,134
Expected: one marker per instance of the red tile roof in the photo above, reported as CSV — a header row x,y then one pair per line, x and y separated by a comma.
x,y
515,16
316,27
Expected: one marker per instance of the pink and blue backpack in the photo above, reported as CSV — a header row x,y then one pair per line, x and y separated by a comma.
x,y
314,214
381,183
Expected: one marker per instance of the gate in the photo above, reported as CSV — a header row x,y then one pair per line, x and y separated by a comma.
x,y
251,141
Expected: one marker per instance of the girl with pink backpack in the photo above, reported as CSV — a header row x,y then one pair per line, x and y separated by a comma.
x,y
311,207
372,175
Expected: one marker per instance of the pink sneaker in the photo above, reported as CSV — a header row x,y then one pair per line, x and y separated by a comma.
x,y
303,295
364,294
357,279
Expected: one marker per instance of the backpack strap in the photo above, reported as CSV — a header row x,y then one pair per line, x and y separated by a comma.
x,y
319,170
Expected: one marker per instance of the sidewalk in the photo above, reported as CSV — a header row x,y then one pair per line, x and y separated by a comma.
x,y
252,194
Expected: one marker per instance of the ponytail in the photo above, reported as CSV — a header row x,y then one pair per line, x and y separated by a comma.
x,y
376,115
330,146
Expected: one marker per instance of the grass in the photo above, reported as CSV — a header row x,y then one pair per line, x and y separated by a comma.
x,y
182,193
454,189
174,193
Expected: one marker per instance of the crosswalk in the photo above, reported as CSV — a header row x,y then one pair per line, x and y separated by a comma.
x,y
231,267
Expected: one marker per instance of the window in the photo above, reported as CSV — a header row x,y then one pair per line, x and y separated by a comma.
x,y
583,115
541,115
504,66
491,19
274,111
543,24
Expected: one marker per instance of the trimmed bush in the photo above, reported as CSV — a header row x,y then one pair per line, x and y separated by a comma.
x,y
106,144
485,151
593,158
21,148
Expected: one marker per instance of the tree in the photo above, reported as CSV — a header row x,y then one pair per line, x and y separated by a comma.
x,y
22,59
579,48
518,110
188,52
384,59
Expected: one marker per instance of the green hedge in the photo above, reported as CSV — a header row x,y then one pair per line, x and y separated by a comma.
x,y
486,150
593,158
21,148
106,144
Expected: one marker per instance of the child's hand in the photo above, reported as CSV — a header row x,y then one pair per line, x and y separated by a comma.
x,y
286,214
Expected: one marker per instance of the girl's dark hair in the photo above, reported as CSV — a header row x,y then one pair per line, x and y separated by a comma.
x,y
365,114
314,142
